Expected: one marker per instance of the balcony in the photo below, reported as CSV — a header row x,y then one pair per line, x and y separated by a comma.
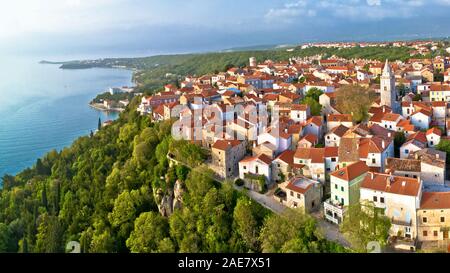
x,y
333,211
400,222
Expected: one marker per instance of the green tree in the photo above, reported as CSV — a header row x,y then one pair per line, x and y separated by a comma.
x,y
312,99
49,238
248,222
314,93
355,100
401,89
6,242
364,223
7,182
150,229
444,146
294,231
314,105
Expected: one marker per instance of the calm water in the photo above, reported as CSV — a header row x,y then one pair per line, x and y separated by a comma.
x,y
43,107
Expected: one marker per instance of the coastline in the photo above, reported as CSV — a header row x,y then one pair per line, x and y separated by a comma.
x,y
101,107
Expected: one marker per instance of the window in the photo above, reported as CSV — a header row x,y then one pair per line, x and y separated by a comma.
x,y
336,197
342,188
442,219
342,200
374,161
333,159
245,167
256,169
292,193
299,196
406,151
424,219
375,199
382,200
335,186
425,233
435,233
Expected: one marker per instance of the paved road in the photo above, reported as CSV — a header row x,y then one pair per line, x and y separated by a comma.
x,y
267,201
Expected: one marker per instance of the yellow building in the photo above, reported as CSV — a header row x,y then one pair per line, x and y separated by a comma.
x,y
434,217
439,92
438,66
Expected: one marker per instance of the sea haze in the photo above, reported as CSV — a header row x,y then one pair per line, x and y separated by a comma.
x,y
43,107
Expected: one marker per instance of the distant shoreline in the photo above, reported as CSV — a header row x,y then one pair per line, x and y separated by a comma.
x,y
101,107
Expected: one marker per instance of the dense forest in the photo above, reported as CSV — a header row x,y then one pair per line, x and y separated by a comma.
x,y
106,191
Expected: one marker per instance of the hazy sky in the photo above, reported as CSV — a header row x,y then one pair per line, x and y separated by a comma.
x,y
148,26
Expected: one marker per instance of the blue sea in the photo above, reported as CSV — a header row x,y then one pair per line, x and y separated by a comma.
x,y
43,107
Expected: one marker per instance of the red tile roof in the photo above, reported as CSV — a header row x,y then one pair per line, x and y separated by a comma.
x,y
392,184
435,131
223,145
287,157
435,200
264,158
351,171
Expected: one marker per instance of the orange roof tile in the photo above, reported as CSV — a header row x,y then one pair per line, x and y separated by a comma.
x,y
351,171
391,184
435,200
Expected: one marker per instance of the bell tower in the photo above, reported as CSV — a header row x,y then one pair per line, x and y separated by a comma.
x,y
387,86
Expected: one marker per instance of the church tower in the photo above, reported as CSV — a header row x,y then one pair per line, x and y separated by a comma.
x,y
387,87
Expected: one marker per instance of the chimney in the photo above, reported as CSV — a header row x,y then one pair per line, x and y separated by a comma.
x,y
416,156
388,182
389,134
383,144
384,109
437,156
371,175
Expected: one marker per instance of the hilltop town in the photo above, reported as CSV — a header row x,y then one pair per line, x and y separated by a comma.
x,y
284,130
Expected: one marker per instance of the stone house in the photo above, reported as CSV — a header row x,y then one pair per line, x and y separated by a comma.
x,y
226,155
